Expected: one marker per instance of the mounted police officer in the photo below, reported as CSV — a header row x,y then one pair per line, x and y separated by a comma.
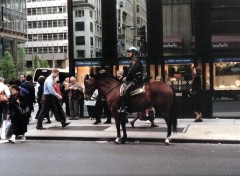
x,y
133,78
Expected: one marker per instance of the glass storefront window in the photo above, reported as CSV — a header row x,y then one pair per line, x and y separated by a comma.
x,y
226,73
179,73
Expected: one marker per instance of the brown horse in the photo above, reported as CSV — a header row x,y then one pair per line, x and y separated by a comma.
x,y
157,94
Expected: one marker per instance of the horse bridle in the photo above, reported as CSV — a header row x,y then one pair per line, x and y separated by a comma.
x,y
110,90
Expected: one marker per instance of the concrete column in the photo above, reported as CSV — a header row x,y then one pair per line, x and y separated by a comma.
x,y
109,33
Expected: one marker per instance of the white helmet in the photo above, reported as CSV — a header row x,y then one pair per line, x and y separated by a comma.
x,y
133,49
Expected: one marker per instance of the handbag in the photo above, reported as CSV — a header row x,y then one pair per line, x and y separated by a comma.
x,y
3,98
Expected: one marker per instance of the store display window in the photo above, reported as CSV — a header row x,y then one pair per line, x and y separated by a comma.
x,y
179,73
226,73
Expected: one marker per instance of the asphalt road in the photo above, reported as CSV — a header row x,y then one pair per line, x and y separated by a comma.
x,y
63,158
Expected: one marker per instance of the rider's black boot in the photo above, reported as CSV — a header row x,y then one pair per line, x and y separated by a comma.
x,y
123,107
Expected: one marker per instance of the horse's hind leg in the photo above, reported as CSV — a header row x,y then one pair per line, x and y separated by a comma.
x,y
169,129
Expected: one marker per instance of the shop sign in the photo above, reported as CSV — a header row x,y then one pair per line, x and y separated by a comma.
x,y
127,62
87,63
220,45
172,45
227,59
179,61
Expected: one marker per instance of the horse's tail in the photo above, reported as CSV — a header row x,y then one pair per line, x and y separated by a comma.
x,y
173,113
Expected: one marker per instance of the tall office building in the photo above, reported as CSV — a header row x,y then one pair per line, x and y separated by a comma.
x,y
87,26
12,26
47,32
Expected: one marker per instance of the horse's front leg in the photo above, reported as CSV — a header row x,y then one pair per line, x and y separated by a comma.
x,y
118,139
123,124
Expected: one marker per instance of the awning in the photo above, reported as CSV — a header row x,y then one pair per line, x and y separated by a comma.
x,y
172,42
223,42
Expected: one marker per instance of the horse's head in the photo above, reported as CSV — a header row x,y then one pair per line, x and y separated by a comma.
x,y
90,86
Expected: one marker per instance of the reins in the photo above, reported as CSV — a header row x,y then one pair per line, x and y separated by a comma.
x,y
110,90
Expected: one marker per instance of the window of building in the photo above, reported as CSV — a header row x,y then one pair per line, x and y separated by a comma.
x,y
60,10
226,73
40,50
55,10
50,37
49,10
65,36
34,11
30,51
79,26
29,11
91,41
50,49
45,37
40,37
29,24
49,23
81,53
55,23
179,73
91,14
34,24
61,23
39,24
39,11
91,27
44,10
45,24
137,8
35,37
121,4
138,20
45,50
55,36
80,40
29,38
79,13
60,36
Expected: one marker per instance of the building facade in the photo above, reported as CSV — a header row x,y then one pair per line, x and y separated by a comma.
x,y
47,32
12,26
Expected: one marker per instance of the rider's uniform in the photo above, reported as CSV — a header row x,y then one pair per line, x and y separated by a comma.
x,y
134,75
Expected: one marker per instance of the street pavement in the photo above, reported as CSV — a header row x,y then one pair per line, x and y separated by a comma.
x,y
208,131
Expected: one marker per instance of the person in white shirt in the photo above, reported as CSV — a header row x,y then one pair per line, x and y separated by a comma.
x,y
4,89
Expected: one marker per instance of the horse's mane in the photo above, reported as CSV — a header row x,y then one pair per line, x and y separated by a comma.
x,y
105,76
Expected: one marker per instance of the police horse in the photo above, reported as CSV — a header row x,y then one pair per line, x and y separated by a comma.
x,y
158,95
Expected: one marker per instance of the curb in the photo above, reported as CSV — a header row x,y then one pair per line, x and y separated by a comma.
x,y
136,140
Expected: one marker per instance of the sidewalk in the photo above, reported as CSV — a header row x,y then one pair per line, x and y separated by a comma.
x,y
208,131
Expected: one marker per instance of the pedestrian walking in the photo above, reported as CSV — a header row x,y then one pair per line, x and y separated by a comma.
x,y
18,110
50,102
41,81
195,94
28,91
4,90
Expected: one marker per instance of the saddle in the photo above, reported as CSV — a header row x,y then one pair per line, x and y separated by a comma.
x,y
139,89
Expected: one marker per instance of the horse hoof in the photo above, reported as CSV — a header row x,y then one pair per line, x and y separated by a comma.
x,y
167,141
118,141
